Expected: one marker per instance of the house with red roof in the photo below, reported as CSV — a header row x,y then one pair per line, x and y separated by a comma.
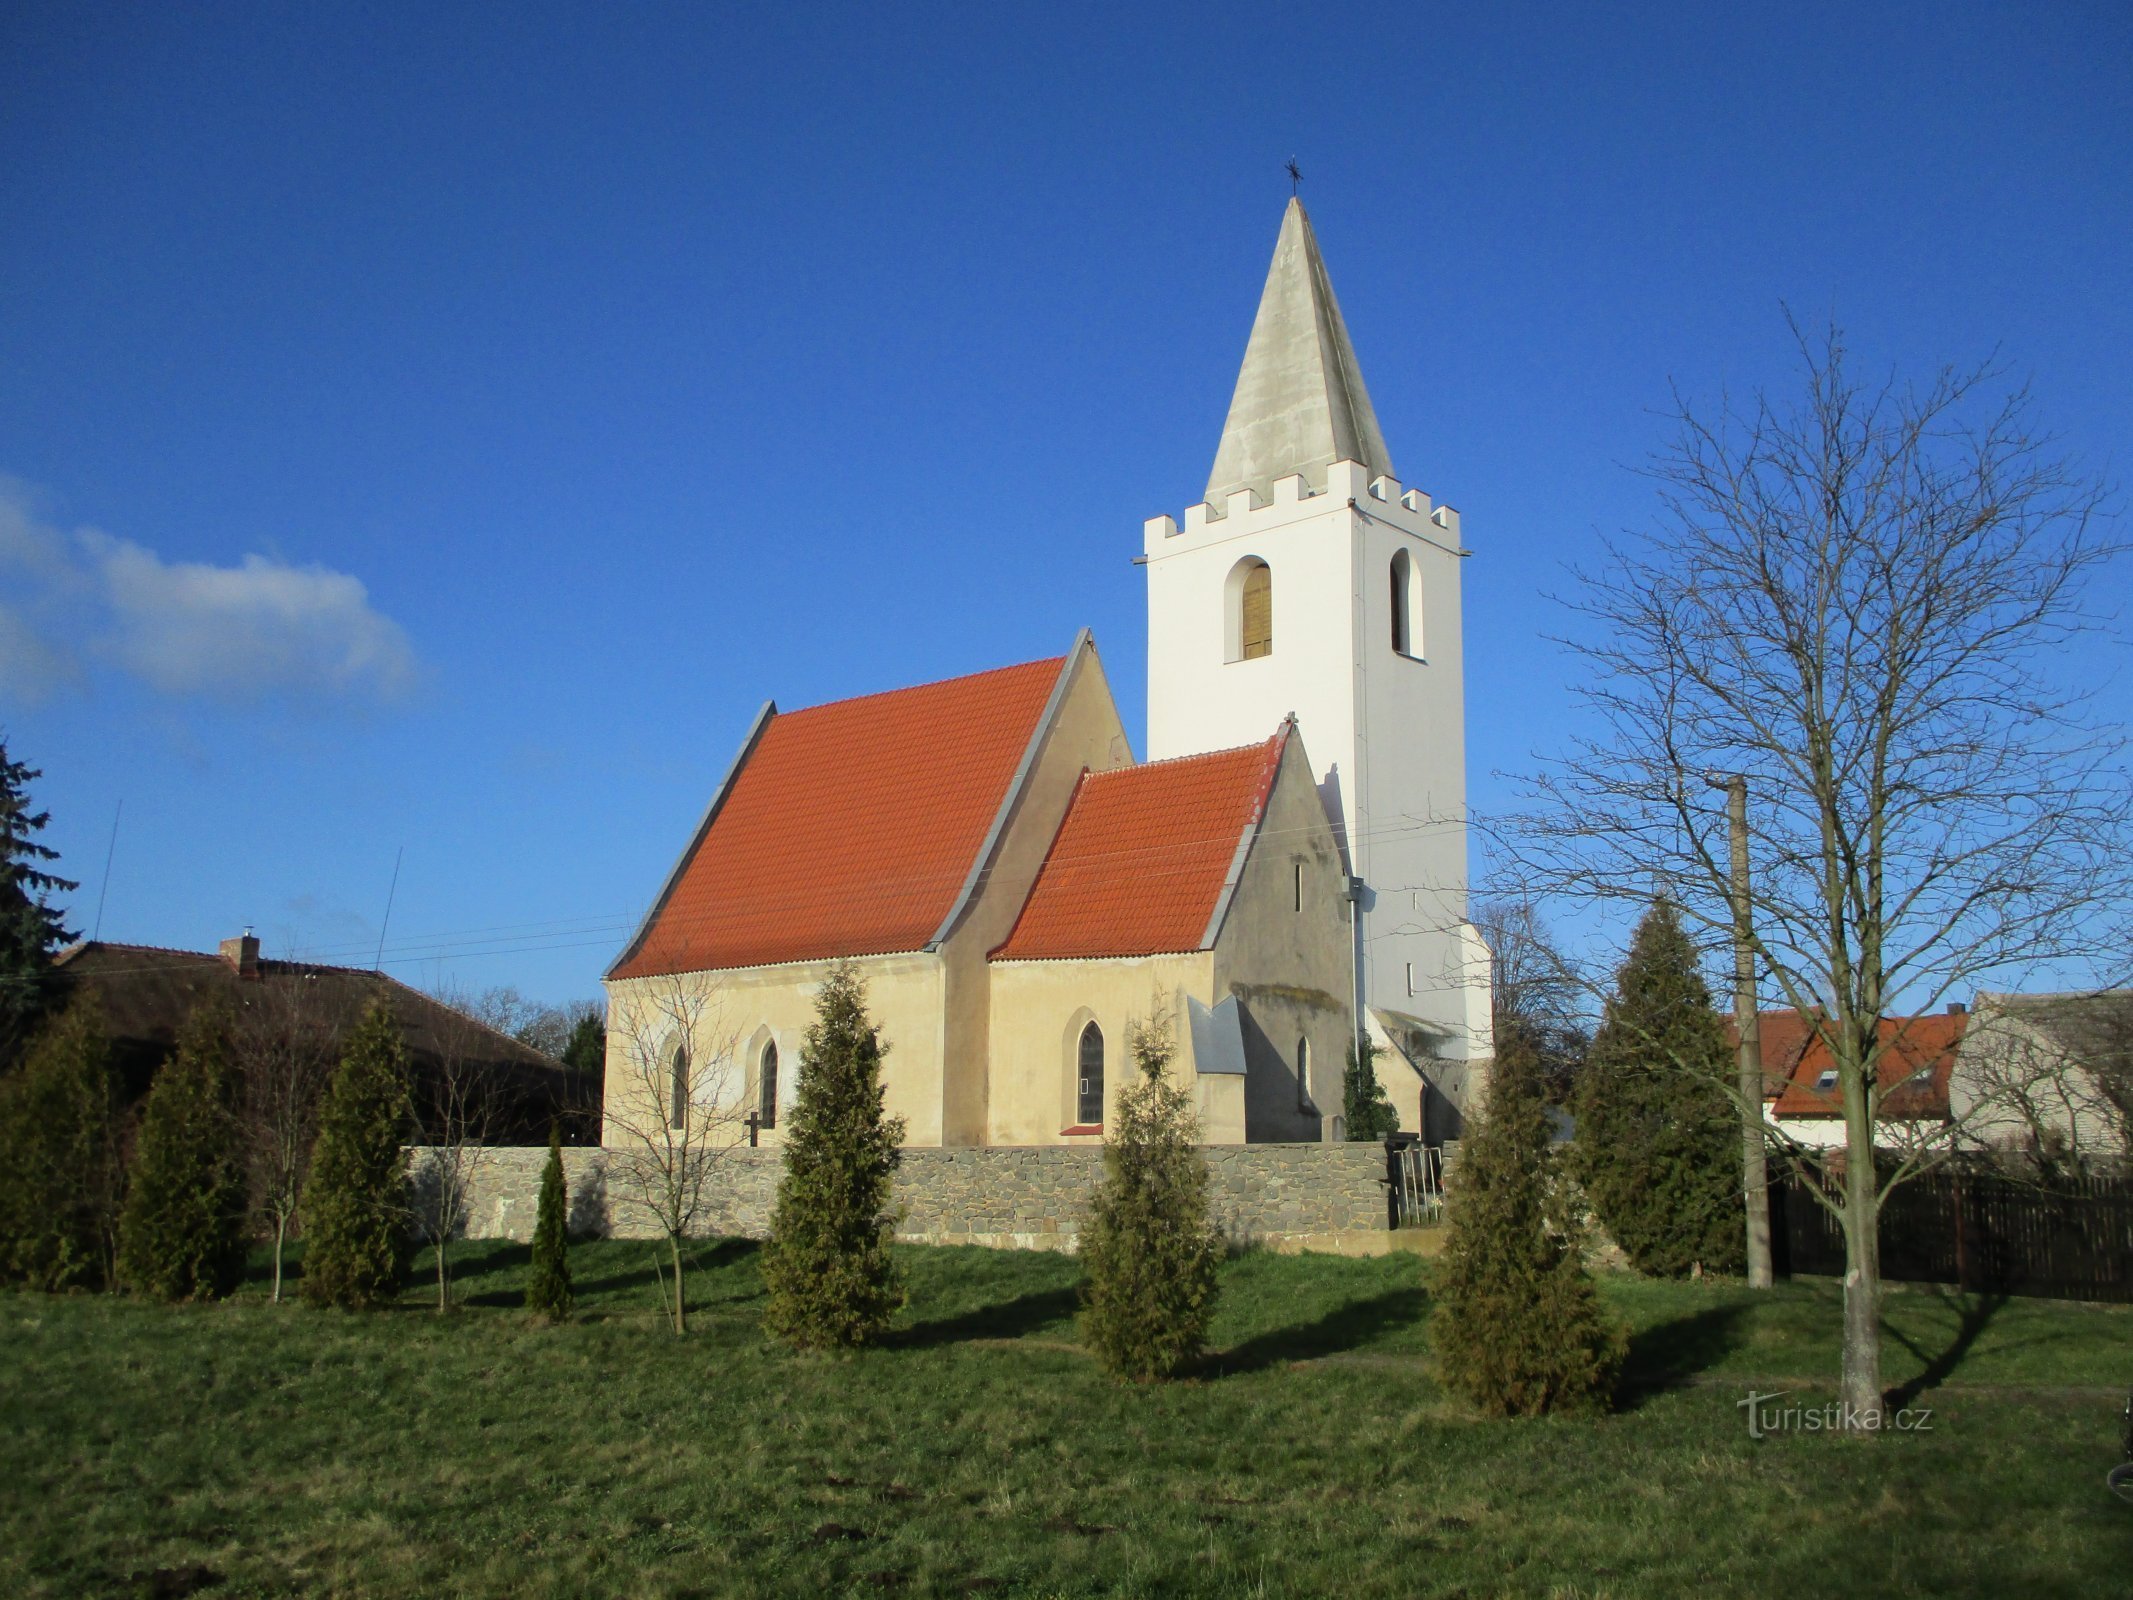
x,y
1913,1072
1017,894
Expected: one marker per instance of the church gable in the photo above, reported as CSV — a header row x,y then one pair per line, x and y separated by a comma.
x,y
849,829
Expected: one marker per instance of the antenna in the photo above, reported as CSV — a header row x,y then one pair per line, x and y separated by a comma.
x,y
379,964
105,887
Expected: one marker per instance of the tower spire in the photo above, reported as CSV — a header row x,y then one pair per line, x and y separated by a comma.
x,y
1300,404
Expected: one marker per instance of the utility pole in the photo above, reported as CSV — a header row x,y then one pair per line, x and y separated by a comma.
x,y
1755,1175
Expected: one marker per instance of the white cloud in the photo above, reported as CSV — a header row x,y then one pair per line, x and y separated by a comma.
x,y
259,629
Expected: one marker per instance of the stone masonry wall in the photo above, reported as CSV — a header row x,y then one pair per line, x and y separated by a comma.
x,y
1283,1195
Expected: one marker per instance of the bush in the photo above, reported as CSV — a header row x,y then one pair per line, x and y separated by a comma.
x,y
355,1200
831,1281
62,1178
1518,1326
1658,1137
181,1236
549,1293
1365,1107
1148,1248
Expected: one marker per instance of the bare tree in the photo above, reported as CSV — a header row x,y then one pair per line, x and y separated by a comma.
x,y
1535,988
459,1105
1852,599
283,1047
673,1107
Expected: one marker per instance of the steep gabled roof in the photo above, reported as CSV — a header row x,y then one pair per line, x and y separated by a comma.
x,y
1146,857
1300,404
850,829
1917,1058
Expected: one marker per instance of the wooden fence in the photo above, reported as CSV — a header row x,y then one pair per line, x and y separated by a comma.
x,y
2072,1240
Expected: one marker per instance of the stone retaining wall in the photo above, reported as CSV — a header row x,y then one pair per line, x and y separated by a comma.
x,y
1287,1196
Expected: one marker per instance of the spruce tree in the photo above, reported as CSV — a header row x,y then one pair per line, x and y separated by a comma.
x,y
1658,1137
61,1182
1149,1248
1518,1325
355,1199
30,930
1366,1108
586,1049
548,1294
832,1282
181,1236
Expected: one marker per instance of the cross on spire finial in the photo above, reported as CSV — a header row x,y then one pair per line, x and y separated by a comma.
x,y
1296,178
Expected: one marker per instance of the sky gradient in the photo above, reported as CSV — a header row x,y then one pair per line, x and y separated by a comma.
x,y
437,429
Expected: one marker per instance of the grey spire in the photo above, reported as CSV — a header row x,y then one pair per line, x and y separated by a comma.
x,y
1300,404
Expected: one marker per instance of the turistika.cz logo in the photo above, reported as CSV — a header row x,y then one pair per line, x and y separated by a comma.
x,y
1834,1416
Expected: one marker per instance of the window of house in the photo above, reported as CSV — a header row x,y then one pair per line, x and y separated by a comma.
x,y
767,1099
678,1113
1828,1080
1303,1073
1089,1074
1248,628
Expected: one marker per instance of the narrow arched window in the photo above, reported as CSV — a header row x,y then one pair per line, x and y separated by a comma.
x,y
1303,1073
678,1115
767,1097
1406,595
1089,1089
1255,623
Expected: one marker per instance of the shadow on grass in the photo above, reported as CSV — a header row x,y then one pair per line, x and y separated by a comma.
x,y
1005,1319
695,1258
1973,1314
1354,1324
1671,1354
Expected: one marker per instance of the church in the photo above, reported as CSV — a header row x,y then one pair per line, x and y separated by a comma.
x,y
1286,872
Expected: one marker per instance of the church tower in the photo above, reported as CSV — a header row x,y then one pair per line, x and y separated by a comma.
x,y
1310,581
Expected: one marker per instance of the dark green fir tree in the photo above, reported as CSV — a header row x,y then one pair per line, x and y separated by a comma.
x,y
1364,1104
30,929
586,1049
548,1294
181,1236
62,1183
1518,1325
355,1199
1149,1248
1658,1137
832,1283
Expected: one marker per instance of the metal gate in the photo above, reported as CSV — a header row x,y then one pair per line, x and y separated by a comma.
x,y
1414,1181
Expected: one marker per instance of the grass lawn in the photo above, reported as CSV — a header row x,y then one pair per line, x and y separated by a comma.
x,y
261,1450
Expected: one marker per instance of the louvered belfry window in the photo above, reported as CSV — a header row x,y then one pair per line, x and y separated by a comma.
x,y
1257,632
1089,1095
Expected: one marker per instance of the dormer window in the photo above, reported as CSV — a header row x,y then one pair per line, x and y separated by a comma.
x,y
1827,1081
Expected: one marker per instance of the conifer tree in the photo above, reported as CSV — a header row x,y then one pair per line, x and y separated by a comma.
x,y
62,1181
1518,1325
355,1201
30,929
181,1236
1149,1248
549,1293
832,1282
1658,1137
1366,1108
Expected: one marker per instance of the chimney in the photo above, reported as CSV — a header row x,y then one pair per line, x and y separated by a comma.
x,y
1956,1008
242,953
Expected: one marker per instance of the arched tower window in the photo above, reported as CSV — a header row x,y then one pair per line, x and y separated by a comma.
x,y
767,1096
1248,622
1406,586
1089,1075
678,1112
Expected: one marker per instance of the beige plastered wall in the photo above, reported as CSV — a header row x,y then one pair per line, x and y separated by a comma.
x,y
1085,734
731,1014
1289,966
1038,1011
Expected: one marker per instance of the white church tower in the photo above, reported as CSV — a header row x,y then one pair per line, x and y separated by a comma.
x,y
1310,581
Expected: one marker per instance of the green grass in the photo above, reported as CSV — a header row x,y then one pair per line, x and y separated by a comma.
x,y
288,1451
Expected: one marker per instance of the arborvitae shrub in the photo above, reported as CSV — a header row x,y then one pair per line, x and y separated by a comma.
x,y
1658,1138
1148,1247
181,1236
549,1293
832,1283
355,1200
1518,1325
61,1178
1367,1109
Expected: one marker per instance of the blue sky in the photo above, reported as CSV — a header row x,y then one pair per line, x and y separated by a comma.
x,y
439,428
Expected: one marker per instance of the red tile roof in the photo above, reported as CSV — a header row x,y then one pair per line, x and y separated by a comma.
x,y
1911,1046
1141,858
850,828
1782,1035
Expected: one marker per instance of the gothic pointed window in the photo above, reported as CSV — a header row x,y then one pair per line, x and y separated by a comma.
x,y
678,1112
1089,1075
767,1096
1256,625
